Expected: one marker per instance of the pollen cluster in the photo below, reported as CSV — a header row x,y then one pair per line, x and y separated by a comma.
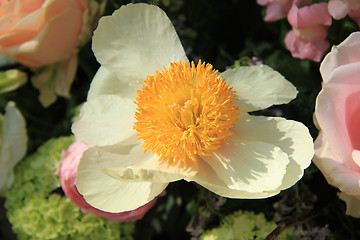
x,y
185,112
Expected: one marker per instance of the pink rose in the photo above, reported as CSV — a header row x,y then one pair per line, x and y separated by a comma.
x,y
337,148
67,172
39,32
275,9
308,37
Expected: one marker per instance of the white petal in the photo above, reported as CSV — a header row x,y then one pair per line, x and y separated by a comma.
x,y
259,87
105,82
14,131
249,166
105,120
109,194
136,41
208,178
232,193
13,144
128,162
292,137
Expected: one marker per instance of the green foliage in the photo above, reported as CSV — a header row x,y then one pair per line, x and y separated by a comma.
x,y
36,211
245,226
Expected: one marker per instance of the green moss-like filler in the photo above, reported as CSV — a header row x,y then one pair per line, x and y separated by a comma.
x,y
245,226
37,212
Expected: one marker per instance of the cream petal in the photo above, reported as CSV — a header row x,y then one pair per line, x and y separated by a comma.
x,y
209,179
232,193
105,82
133,165
249,166
110,195
259,87
105,120
136,41
291,137
107,193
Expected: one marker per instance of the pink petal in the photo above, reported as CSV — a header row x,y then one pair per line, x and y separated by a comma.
x,y
300,48
336,112
308,16
346,52
274,12
345,178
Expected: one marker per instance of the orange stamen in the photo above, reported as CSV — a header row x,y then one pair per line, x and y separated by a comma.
x,y
185,112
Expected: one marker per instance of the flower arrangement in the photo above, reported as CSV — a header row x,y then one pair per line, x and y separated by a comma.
x,y
176,119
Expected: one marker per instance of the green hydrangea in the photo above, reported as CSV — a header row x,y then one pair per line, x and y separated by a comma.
x,y
37,211
245,226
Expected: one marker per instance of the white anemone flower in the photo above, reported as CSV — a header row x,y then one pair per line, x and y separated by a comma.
x,y
152,117
13,144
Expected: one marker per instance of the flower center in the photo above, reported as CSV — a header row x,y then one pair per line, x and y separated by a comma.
x,y
185,112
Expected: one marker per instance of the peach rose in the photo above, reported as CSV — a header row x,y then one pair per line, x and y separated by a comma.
x,y
337,148
40,32
308,37
67,172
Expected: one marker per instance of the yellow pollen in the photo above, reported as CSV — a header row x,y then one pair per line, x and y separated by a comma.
x,y
185,112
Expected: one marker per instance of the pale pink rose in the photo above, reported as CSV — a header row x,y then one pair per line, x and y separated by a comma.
x,y
340,8
308,37
67,173
275,9
337,148
40,32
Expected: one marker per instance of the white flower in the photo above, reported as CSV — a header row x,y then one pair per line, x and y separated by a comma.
x,y
193,122
13,144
